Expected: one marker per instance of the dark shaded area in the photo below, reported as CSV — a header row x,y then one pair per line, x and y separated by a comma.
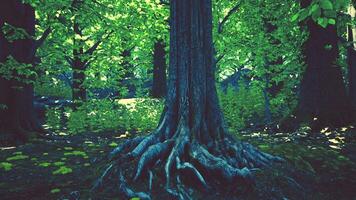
x,y
159,85
17,118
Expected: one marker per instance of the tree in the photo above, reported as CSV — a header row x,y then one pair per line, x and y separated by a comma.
x,y
17,60
159,85
323,100
191,136
351,60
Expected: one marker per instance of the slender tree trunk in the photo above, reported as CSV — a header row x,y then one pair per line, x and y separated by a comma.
x,y
79,93
159,85
268,114
17,115
323,100
191,139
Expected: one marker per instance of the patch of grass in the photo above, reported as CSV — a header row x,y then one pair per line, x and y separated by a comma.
x,y
45,164
6,166
17,157
75,153
62,170
55,190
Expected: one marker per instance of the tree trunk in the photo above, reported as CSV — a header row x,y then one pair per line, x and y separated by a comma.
x,y
351,61
323,100
191,137
17,115
159,85
79,93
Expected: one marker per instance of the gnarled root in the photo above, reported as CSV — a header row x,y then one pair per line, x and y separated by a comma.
x,y
185,156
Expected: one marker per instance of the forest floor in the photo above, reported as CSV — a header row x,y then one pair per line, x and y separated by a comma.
x,y
67,168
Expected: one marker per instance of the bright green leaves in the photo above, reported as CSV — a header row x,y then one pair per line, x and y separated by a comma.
x,y
323,12
323,22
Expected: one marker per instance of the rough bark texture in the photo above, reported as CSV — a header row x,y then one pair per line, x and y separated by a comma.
x,y
191,139
18,119
323,100
159,85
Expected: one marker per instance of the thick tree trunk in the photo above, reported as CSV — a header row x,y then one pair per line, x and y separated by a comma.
x,y
159,85
191,138
351,61
17,117
323,100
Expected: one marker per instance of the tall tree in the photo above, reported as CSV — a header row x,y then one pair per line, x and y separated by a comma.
x,y
323,100
17,60
351,59
81,57
191,136
159,85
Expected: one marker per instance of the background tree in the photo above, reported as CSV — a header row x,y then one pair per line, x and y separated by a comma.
x,y
323,100
18,48
159,84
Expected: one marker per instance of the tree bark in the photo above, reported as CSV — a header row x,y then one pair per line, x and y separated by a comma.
x,y
351,61
159,85
191,137
79,92
322,100
17,118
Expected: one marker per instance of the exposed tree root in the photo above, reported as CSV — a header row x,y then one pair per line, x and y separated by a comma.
x,y
183,155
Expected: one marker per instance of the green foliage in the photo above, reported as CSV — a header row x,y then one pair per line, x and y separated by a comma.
x,y
12,69
242,107
54,119
108,115
323,12
6,166
53,88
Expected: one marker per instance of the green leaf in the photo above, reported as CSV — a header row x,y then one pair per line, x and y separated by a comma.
x,y
294,17
326,4
303,15
323,22
332,21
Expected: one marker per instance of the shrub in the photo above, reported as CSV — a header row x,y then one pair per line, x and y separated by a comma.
x,y
242,107
109,115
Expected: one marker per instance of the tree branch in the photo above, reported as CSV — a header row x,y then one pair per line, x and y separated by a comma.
x,y
44,36
69,60
92,49
226,18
